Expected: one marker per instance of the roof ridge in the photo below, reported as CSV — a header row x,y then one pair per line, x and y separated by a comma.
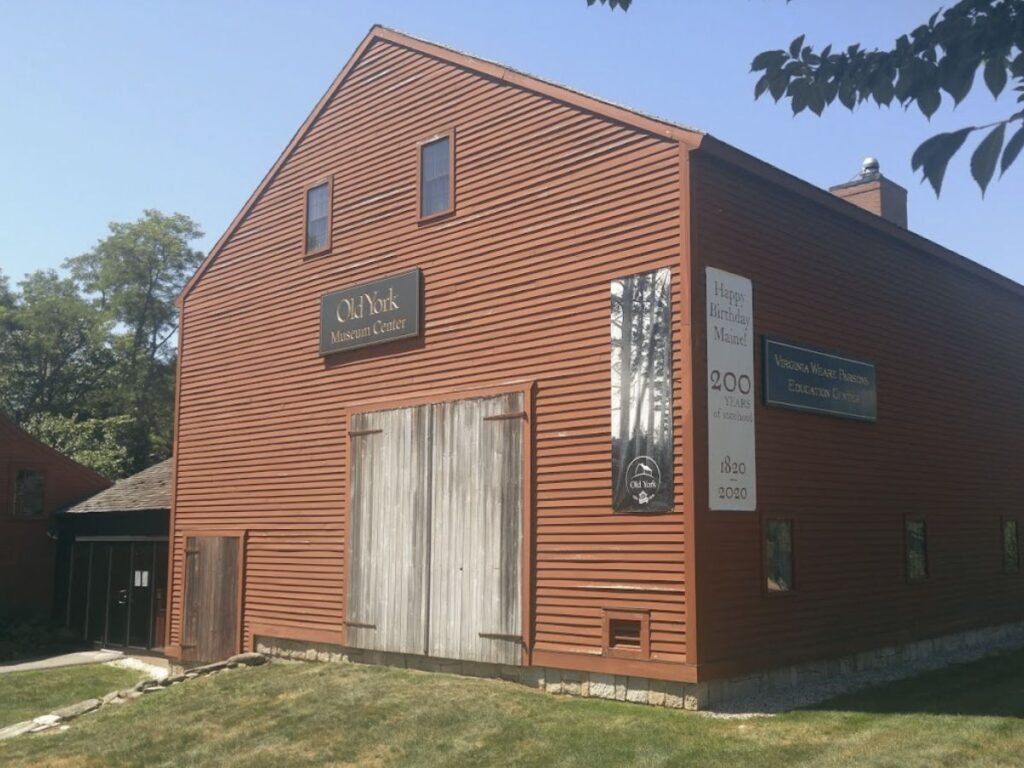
x,y
606,109
552,83
46,446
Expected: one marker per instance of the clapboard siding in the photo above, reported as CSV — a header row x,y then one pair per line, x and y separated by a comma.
x,y
552,202
27,553
949,351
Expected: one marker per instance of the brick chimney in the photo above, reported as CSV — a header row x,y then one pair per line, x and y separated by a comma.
x,y
873,192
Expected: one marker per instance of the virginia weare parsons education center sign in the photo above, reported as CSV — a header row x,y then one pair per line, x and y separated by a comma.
x,y
371,313
812,380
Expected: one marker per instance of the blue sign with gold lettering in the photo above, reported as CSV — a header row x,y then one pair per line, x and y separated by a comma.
x,y
820,382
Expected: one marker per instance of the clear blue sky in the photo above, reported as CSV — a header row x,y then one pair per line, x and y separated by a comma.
x,y
108,108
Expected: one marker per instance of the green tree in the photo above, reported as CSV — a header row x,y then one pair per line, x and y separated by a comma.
x,y
98,443
6,337
52,347
941,55
135,273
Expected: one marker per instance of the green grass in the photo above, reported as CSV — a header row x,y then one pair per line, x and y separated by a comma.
x,y
348,715
24,695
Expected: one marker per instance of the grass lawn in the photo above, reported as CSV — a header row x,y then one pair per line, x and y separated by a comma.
x,y
24,695
324,714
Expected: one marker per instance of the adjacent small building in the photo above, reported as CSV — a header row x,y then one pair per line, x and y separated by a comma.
x,y
113,563
35,482
489,374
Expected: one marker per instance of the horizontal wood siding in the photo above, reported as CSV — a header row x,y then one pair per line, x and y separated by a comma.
x,y
947,446
26,551
551,204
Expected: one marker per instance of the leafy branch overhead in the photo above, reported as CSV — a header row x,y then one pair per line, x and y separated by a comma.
x,y
623,4
941,56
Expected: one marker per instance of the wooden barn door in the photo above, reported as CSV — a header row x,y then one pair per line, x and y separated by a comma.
x,y
477,513
389,530
435,530
211,630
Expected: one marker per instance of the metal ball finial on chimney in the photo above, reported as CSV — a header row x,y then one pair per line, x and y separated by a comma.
x,y
870,166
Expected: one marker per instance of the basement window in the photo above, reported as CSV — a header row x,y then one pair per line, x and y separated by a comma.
x,y
627,634
437,172
917,550
778,551
28,493
318,218
1011,547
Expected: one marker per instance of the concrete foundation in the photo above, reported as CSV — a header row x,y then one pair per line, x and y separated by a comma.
x,y
768,691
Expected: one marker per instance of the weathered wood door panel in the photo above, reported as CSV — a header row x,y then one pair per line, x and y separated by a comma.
x,y
210,622
475,538
435,527
390,523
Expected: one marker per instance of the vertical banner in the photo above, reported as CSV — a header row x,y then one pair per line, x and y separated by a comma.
x,y
641,331
732,476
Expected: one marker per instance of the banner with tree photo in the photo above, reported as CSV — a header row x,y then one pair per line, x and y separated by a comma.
x,y
641,331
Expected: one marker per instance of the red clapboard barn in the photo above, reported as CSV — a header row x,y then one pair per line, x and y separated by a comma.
x,y
494,377
35,482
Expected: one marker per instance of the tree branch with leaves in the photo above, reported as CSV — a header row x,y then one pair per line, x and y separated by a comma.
x,y
941,56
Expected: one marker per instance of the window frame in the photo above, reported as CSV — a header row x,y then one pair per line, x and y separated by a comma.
x,y
643,615
306,189
1003,520
449,134
907,520
13,475
777,593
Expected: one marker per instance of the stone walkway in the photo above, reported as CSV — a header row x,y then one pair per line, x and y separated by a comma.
x,y
64,660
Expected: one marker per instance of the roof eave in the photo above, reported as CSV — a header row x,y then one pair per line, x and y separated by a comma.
x,y
685,136
728,153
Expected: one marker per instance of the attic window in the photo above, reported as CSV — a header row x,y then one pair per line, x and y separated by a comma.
x,y
627,634
318,218
28,493
436,176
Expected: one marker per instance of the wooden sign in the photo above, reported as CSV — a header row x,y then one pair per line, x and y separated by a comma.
x,y
372,313
811,380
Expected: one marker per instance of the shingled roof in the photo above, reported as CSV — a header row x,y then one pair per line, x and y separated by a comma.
x,y
149,489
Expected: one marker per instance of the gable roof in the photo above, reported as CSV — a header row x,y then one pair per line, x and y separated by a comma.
x,y
148,489
691,138
13,431
657,126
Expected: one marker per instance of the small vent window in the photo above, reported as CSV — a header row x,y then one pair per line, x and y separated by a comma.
x,y
627,633
624,634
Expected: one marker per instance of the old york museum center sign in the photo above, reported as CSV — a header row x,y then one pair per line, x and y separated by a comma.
x,y
371,313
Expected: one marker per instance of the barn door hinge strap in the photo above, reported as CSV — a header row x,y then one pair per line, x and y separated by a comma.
x,y
191,551
364,432
360,625
500,636
187,645
504,416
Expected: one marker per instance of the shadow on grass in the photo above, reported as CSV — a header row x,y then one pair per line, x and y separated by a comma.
x,y
992,687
